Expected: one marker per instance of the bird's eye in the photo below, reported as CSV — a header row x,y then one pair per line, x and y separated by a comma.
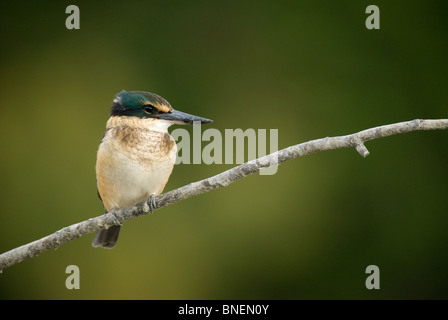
x,y
149,109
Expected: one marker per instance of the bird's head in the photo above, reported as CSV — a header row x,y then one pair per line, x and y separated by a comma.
x,y
146,105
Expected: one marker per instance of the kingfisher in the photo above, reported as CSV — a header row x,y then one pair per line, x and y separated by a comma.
x,y
136,154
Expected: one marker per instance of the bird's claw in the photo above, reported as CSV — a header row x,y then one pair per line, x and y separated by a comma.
x,y
152,203
115,219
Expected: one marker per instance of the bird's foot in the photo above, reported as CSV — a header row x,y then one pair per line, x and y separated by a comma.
x,y
115,219
152,203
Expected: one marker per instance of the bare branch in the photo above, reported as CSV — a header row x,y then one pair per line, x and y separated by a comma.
x,y
117,217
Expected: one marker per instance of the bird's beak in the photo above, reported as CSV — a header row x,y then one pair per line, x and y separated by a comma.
x,y
182,117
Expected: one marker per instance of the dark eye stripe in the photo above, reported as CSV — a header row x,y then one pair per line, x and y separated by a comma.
x,y
150,109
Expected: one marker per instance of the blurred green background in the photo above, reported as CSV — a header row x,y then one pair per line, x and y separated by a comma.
x,y
310,69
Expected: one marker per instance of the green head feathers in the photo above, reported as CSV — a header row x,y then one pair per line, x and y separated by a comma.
x,y
139,104
143,105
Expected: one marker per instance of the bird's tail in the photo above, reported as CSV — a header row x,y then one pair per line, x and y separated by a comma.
x,y
106,238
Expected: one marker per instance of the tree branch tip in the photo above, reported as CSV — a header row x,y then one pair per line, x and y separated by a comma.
x,y
362,150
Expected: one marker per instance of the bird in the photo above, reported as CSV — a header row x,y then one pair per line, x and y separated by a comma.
x,y
136,154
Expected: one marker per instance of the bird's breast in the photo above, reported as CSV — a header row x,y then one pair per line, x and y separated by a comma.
x,y
132,164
